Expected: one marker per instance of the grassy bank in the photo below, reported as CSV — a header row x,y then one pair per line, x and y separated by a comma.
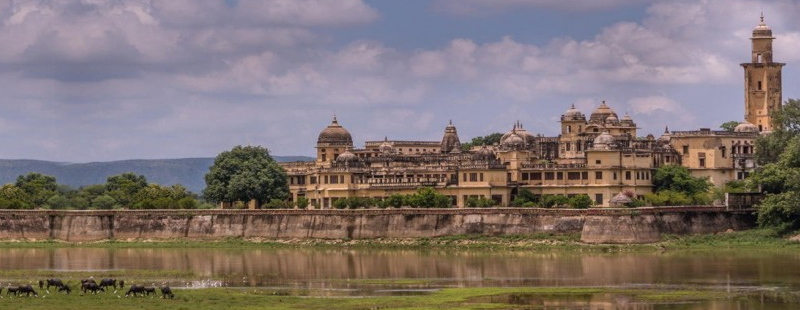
x,y
755,238
461,298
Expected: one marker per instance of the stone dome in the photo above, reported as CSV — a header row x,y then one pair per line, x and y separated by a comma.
x,y
485,153
745,127
627,121
602,113
572,114
650,137
513,140
335,134
527,137
603,142
762,30
347,156
612,119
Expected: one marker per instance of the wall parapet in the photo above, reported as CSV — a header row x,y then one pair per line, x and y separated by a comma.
x,y
391,211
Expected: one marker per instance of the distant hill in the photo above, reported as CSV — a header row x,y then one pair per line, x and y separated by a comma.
x,y
189,172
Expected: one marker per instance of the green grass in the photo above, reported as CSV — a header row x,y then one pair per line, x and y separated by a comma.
x,y
459,298
762,238
755,238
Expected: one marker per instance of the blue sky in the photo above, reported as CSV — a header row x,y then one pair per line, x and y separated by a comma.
x,y
100,80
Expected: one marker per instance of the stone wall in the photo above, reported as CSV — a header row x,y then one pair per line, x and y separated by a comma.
x,y
595,225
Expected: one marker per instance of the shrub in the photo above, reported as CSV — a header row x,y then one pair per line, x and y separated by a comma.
x,y
302,202
581,202
550,201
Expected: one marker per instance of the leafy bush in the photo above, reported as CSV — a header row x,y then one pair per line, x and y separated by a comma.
x,y
581,202
302,202
550,201
481,202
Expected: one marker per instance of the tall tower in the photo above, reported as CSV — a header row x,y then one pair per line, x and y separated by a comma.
x,y
762,80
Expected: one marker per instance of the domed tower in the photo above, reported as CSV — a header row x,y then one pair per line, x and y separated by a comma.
x,y
450,140
762,80
571,142
332,141
602,113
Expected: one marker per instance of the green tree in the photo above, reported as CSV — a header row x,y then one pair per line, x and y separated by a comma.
x,y
302,202
104,202
245,173
550,201
677,178
580,201
729,125
490,139
39,187
427,197
59,202
124,187
786,126
12,197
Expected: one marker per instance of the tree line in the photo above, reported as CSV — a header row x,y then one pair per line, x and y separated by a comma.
x,y
126,190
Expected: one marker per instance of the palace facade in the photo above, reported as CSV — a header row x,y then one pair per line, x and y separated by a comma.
x,y
600,155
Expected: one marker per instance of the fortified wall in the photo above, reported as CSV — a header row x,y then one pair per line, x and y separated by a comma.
x,y
643,225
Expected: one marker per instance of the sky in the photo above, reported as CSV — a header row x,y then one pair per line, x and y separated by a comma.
x,y
104,80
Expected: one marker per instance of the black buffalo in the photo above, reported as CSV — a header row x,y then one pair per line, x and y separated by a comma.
x,y
108,282
93,287
64,288
121,284
12,290
52,282
166,292
27,290
89,280
150,290
135,289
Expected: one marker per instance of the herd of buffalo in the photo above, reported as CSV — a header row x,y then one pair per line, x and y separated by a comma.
x,y
88,286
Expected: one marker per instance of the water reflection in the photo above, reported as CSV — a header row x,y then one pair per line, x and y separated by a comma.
x,y
321,267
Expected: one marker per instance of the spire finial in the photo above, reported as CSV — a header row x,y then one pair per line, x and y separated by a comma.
x,y
762,15
385,138
451,122
666,129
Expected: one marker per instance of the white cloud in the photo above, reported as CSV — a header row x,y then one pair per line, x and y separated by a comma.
x,y
480,7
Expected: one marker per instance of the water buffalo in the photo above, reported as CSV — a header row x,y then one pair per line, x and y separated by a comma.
x,y
93,287
108,282
52,282
121,284
166,291
64,288
41,284
135,289
150,290
89,280
27,290
12,290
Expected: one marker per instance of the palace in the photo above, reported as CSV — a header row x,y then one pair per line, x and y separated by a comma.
x,y
600,156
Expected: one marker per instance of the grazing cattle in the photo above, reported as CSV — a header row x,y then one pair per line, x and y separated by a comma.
x,y
12,290
52,282
166,291
90,286
64,288
41,284
27,290
89,280
150,290
135,289
121,284
109,282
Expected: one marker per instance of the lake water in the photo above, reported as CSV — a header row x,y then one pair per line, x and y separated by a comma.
x,y
769,275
